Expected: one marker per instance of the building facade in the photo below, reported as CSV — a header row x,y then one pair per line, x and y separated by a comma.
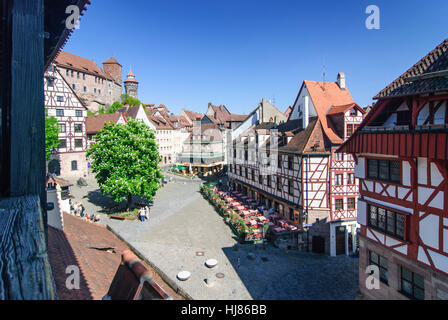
x,y
401,153
95,86
305,182
61,101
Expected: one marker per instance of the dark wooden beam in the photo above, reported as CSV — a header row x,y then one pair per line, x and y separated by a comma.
x,y
25,271
27,116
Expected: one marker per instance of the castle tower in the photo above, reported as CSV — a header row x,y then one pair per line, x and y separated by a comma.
x,y
112,67
131,85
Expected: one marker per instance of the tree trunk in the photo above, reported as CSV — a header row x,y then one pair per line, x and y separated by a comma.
x,y
128,205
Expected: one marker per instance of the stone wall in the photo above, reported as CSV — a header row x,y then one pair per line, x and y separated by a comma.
x,y
65,160
436,284
97,89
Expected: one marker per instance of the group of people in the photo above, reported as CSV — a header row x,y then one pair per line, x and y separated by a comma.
x,y
143,213
79,210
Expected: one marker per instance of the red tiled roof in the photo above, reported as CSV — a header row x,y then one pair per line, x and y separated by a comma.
x,y
111,60
83,244
71,61
193,116
96,123
436,60
324,95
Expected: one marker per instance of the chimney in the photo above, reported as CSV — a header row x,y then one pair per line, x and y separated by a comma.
x,y
341,80
306,112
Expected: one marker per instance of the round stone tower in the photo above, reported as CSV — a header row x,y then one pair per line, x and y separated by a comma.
x,y
131,85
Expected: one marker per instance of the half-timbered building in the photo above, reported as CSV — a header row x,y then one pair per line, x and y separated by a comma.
x,y
401,154
307,183
69,160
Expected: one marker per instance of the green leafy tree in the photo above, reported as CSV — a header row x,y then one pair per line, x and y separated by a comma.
x,y
125,160
114,107
128,100
51,135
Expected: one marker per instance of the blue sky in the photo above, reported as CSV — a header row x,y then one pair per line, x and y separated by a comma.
x,y
186,53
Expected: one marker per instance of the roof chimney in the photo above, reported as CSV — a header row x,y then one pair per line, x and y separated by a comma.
x,y
341,80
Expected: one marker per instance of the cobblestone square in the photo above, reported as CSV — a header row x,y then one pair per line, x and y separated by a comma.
x,y
183,224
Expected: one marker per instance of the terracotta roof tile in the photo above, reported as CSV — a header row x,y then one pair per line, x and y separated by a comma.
x,y
324,95
81,245
96,123
436,60
71,61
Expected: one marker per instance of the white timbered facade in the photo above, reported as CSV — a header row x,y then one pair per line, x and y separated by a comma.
x,y
401,153
308,183
69,159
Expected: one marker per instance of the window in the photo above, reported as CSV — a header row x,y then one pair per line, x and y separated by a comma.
x,y
353,112
61,127
83,76
349,130
66,72
73,86
74,165
290,187
268,182
59,112
279,161
78,143
234,153
78,75
94,90
246,155
338,156
276,207
339,179
72,73
60,99
50,82
78,127
385,170
291,214
253,175
79,113
351,178
290,163
99,91
85,89
260,179
246,173
279,184
339,204
351,203
412,284
387,221
381,263
62,144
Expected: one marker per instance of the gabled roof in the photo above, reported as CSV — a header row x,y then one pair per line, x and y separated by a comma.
x,y
71,61
95,123
325,95
344,108
111,60
160,123
130,112
430,74
193,116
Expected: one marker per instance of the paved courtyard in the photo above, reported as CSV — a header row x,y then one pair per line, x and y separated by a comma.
x,y
182,225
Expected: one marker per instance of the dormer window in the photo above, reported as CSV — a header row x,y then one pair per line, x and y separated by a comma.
x,y
353,112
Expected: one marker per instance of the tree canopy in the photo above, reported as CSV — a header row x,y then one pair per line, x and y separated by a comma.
x,y
125,160
51,135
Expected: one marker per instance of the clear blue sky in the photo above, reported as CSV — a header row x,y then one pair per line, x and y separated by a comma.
x,y
186,53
